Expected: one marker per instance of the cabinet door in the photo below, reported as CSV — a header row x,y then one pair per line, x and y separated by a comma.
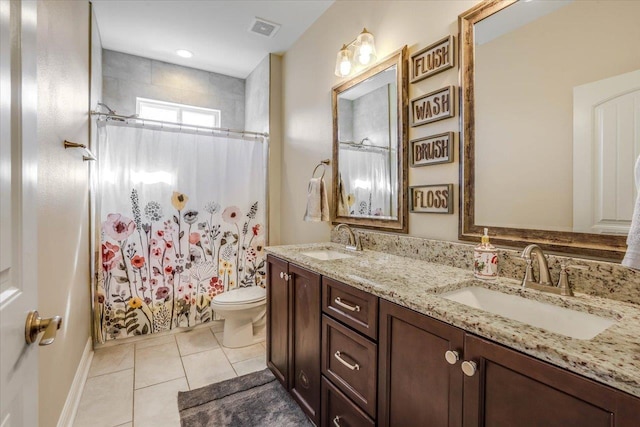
x,y
509,388
339,411
305,342
278,322
417,387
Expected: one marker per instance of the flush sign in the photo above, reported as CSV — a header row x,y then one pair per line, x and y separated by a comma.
x,y
433,59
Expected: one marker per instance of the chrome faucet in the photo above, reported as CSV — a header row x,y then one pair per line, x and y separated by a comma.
x,y
354,239
544,283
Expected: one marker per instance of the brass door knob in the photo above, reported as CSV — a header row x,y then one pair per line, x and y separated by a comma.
x,y
36,324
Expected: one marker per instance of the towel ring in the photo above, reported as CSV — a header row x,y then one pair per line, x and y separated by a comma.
x,y
322,163
324,169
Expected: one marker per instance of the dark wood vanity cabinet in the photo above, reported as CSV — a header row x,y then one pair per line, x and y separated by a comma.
x,y
510,388
416,385
278,319
293,332
350,359
349,356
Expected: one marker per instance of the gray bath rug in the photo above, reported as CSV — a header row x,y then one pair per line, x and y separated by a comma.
x,y
252,400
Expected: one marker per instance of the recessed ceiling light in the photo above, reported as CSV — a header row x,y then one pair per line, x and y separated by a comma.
x,y
184,53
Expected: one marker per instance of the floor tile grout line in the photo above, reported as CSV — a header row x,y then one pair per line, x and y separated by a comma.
x,y
183,368
109,373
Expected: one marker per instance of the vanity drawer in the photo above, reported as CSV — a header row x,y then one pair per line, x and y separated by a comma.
x,y
351,306
349,360
339,411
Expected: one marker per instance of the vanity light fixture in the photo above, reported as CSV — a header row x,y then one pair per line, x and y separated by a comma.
x,y
359,52
184,53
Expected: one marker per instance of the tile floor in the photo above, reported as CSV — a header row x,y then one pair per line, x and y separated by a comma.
x,y
137,384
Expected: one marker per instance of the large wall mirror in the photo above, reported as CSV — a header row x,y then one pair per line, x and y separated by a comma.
x,y
551,123
369,147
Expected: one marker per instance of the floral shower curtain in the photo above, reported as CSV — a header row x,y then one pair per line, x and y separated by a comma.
x,y
182,220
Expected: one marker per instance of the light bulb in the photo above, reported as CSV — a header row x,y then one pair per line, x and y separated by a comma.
x,y
366,49
364,55
345,67
343,62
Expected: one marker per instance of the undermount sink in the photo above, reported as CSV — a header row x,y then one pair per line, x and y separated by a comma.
x,y
564,321
326,254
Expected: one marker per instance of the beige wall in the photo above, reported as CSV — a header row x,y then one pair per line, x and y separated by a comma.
x,y
275,148
307,81
63,242
542,62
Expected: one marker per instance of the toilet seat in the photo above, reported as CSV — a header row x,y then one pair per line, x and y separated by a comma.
x,y
241,296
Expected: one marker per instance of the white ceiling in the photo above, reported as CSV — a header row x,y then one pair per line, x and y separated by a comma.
x,y
215,31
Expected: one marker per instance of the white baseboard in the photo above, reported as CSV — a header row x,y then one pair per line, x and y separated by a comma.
x,y
75,392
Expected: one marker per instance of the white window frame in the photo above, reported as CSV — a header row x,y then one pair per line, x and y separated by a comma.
x,y
180,108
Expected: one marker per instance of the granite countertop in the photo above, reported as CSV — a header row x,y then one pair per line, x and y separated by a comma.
x,y
612,357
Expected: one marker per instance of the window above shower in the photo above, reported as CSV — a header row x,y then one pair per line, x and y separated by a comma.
x,y
177,113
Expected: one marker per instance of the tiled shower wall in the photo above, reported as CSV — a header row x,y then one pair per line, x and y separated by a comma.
x,y
126,77
598,278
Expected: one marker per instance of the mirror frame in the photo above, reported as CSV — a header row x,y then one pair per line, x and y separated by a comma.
x,y
401,224
585,244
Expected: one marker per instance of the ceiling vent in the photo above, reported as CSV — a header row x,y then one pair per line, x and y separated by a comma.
x,y
263,27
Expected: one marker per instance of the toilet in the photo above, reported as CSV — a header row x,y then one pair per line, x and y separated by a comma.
x,y
240,308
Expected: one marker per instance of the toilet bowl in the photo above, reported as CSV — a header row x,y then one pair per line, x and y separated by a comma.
x,y
240,308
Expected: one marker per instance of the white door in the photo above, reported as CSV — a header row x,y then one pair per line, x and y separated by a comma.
x,y
606,145
18,227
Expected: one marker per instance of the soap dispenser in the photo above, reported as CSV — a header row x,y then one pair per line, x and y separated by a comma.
x,y
485,259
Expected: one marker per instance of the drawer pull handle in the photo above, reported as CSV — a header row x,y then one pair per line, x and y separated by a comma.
x,y
354,367
336,421
347,306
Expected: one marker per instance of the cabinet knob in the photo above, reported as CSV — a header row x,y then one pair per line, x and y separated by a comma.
x,y
336,421
282,274
469,368
286,277
452,357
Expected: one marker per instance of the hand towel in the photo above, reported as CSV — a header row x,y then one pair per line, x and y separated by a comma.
x,y
632,257
342,199
317,202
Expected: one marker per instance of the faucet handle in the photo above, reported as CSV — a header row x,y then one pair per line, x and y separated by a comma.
x,y
563,281
528,275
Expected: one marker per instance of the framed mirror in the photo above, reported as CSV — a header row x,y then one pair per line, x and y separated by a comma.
x,y
550,117
370,147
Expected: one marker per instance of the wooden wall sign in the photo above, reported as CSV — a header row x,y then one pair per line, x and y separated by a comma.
x,y
432,150
431,198
433,59
433,106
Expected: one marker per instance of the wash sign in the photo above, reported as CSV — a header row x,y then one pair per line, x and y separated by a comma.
x,y
433,106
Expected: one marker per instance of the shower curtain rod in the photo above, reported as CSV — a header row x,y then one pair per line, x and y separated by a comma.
x,y
120,118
